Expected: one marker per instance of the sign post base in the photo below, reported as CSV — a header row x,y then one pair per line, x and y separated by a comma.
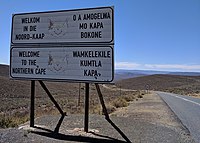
x,y
107,115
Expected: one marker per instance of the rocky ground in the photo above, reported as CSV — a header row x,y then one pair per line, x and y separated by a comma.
x,y
147,120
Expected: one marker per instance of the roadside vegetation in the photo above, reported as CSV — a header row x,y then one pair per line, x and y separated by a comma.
x,y
16,112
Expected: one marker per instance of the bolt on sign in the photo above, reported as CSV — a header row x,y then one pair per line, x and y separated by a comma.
x,y
69,45
63,63
93,25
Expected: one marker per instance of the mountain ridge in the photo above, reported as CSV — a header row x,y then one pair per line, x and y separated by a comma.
x,y
121,74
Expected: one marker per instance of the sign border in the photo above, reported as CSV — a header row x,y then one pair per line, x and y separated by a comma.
x,y
66,80
67,43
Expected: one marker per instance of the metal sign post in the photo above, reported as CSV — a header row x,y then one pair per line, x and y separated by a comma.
x,y
86,107
32,106
107,115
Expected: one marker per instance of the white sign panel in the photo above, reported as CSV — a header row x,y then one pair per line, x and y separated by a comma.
x,y
63,63
94,25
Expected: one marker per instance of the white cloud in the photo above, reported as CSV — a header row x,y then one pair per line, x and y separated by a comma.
x,y
161,67
126,65
173,67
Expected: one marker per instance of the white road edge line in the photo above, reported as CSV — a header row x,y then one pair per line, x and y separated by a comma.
x,y
185,99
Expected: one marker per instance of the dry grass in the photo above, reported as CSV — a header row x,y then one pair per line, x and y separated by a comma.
x,y
119,102
18,110
7,121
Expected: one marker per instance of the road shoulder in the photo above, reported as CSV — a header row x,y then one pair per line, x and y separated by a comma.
x,y
153,121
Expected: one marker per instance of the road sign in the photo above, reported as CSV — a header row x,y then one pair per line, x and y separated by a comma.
x,y
93,25
82,64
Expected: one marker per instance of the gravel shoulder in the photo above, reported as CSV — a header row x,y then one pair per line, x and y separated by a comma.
x,y
148,120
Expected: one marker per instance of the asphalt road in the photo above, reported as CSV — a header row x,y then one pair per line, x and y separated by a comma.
x,y
187,109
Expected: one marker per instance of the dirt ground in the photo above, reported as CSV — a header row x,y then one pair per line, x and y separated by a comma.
x,y
151,109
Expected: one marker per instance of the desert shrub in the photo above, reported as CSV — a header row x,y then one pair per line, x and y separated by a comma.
x,y
140,96
110,108
129,98
119,102
14,119
98,109
6,122
95,109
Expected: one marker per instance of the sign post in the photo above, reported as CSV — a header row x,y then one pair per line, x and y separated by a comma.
x,y
69,45
86,107
32,106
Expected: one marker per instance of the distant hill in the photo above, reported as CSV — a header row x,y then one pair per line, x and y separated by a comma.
x,y
145,72
161,82
185,73
4,70
125,74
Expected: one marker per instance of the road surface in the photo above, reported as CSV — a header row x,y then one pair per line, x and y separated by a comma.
x,y
187,109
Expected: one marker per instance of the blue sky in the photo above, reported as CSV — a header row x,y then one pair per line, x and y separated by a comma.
x,y
149,34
